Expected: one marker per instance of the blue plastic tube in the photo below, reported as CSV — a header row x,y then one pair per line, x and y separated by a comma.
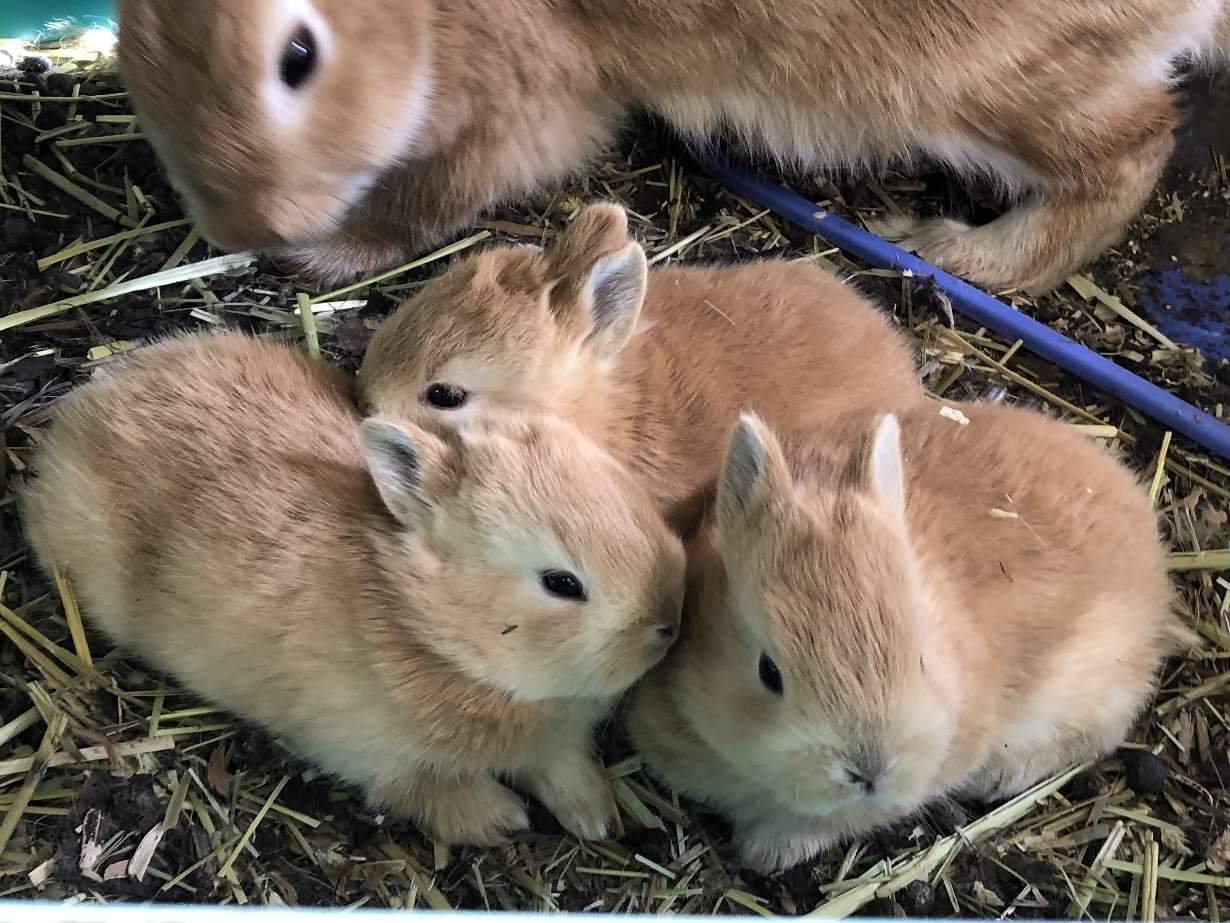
x,y
980,307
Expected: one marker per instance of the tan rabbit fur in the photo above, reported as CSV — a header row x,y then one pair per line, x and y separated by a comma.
x,y
1217,52
372,593
863,634
408,117
564,332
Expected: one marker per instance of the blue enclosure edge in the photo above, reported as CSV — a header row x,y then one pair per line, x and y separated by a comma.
x,y
980,307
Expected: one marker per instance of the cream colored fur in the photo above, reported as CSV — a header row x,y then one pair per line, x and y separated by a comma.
x,y
371,592
564,332
950,609
419,115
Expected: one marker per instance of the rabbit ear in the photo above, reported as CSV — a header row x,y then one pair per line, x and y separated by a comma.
x,y
596,230
613,296
401,460
753,470
880,468
601,278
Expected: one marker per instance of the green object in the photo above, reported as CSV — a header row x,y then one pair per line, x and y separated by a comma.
x,y
31,20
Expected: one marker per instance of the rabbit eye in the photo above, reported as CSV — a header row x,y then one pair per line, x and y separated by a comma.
x,y
298,58
770,676
562,584
445,397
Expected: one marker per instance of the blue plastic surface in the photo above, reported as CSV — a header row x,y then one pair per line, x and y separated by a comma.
x,y
1189,310
1097,370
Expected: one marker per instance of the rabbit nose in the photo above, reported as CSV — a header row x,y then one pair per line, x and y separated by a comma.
x,y
667,631
867,774
868,785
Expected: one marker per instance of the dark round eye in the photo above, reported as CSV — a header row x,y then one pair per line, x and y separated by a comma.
x,y
562,584
770,675
298,58
446,397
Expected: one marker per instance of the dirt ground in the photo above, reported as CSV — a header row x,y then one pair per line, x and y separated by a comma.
x,y
216,811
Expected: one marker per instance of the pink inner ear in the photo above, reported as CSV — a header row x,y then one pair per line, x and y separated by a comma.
x,y
743,467
885,471
752,469
615,292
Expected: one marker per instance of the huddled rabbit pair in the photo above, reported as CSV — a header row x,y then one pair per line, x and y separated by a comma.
x,y
885,601
349,134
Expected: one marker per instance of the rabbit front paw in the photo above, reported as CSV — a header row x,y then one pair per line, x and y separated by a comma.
x,y
469,809
774,847
576,791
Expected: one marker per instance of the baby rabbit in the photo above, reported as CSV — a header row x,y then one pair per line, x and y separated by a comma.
x,y
417,610
357,132
864,632
563,332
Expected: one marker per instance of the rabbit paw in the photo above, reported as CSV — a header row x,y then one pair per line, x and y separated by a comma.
x,y
472,810
997,256
939,241
342,258
577,792
768,848
484,813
